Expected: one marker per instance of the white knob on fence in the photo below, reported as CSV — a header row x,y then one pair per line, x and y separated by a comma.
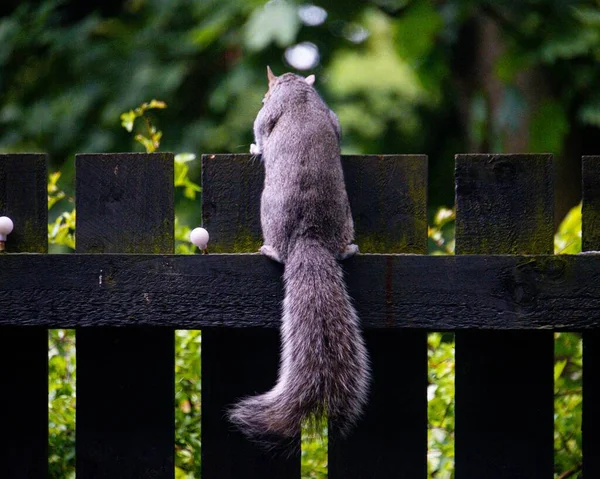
x,y
199,237
6,226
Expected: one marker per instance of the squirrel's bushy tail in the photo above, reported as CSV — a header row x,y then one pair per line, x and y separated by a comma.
x,y
324,366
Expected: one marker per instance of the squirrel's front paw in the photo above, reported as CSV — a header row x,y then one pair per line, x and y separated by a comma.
x,y
254,149
348,251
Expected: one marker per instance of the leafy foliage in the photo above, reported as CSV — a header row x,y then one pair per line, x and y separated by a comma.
x,y
568,372
568,369
393,70
313,460
440,401
188,365
568,237
440,235
151,139
61,403
61,231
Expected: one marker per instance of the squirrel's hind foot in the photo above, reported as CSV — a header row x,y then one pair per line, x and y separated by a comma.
x,y
270,252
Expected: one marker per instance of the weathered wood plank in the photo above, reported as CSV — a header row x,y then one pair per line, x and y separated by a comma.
x,y
125,378
504,204
591,339
217,388
128,201
388,196
390,291
24,199
590,207
24,352
231,189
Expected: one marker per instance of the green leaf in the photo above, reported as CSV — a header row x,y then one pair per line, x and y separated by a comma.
x,y
184,157
147,142
191,189
559,367
567,239
181,171
156,104
127,120
277,22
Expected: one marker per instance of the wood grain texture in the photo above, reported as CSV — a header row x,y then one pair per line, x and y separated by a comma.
x,y
231,189
24,402
504,204
128,201
23,198
591,339
125,377
244,291
232,185
246,459
388,197
590,208
24,352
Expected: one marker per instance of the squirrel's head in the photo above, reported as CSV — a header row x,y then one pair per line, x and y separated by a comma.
x,y
273,80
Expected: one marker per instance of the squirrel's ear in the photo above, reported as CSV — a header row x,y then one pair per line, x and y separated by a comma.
x,y
310,79
270,75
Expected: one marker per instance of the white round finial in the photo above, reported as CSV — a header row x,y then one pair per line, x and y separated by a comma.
x,y
6,226
199,237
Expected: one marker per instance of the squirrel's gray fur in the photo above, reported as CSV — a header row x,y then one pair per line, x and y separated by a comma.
x,y
307,225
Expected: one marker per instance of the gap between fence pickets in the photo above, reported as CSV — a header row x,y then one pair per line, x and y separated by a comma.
x,y
188,292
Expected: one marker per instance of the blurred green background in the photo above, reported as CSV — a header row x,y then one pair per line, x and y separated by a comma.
x,y
422,76
434,77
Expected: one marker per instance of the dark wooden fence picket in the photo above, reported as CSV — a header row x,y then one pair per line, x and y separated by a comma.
x,y
590,241
125,377
237,363
388,196
24,351
504,379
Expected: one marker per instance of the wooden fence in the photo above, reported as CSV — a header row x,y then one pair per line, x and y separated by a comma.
x,y
503,294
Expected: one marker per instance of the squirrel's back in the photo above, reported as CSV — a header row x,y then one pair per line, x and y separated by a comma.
x,y
304,179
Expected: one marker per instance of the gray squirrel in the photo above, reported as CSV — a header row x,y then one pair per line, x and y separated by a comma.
x,y
307,225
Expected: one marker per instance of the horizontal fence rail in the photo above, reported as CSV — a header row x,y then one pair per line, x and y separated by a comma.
x,y
245,290
503,295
